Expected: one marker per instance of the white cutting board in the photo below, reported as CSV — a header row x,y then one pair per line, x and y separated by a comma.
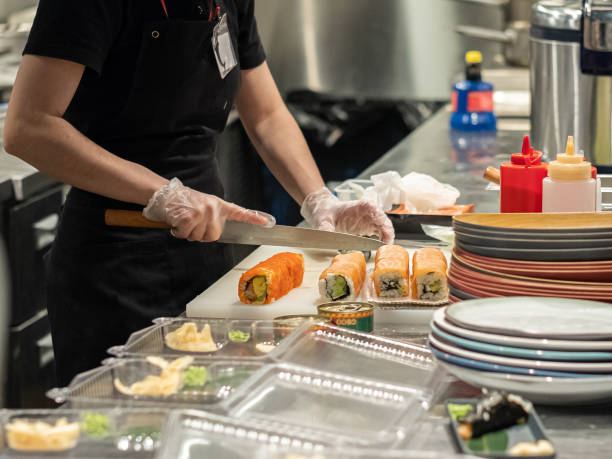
x,y
221,298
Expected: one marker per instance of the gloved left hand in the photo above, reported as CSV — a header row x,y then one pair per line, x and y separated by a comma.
x,y
322,210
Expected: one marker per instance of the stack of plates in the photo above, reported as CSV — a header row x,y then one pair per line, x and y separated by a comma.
x,y
566,255
551,350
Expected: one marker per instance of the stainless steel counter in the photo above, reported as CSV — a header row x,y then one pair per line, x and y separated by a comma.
x,y
431,150
25,180
577,432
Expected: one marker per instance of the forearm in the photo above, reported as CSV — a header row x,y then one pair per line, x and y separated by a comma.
x,y
280,143
57,149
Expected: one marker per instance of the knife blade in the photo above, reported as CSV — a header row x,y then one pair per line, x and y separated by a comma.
x,y
245,233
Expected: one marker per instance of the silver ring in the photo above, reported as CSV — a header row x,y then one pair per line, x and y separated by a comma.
x,y
172,233
155,34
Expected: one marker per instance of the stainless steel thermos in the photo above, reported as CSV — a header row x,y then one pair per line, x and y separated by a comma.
x,y
571,77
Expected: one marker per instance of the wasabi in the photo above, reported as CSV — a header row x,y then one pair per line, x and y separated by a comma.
x,y
238,336
96,425
195,376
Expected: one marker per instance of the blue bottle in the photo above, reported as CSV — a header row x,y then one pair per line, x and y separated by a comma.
x,y
472,99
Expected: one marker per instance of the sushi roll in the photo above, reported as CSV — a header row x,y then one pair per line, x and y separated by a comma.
x,y
344,277
271,279
494,412
392,272
429,275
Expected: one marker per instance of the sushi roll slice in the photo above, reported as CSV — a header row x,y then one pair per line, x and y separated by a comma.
x,y
429,275
344,277
271,279
392,272
494,412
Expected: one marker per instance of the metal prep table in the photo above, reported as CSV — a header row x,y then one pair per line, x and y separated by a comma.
x,y
577,432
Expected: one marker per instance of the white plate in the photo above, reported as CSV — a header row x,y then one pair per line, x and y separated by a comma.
x,y
575,367
530,343
535,317
541,390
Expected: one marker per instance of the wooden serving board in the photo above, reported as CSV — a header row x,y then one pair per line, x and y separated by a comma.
x,y
221,299
535,221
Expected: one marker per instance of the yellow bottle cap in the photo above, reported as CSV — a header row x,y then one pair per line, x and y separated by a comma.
x,y
569,166
473,57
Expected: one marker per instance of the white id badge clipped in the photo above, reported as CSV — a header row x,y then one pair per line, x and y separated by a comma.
x,y
223,48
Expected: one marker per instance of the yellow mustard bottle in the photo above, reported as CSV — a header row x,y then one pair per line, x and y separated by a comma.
x,y
569,186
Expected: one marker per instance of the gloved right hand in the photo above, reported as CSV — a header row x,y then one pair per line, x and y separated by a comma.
x,y
197,216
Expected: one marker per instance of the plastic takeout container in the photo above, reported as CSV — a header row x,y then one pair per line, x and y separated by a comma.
x,y
96,387
349,352
130,433
333,408
242,339
196,434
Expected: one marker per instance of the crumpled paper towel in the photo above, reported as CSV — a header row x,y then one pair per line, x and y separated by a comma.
x,y
418,192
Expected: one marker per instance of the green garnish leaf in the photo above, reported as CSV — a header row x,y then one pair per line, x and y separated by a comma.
x,y
458,411
96,425
238,336
492,442
195,376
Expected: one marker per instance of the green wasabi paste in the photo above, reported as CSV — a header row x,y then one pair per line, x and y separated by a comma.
x,y
96,425
238,336
195,376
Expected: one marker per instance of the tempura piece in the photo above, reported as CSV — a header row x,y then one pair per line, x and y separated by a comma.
x,y
170,381
187,338
24,435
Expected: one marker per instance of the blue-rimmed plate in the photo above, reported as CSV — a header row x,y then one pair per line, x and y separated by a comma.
x,y
534,354
544,390
535,317
549,365
515,341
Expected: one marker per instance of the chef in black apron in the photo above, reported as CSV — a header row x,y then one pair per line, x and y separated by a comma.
x,y
123,100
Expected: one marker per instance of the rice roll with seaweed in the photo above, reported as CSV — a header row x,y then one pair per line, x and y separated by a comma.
x,y
344,277
392,272
429,275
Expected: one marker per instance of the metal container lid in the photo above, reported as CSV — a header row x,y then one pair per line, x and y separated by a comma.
x,y
557,14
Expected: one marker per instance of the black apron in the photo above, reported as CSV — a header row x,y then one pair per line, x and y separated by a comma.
x,y
105,283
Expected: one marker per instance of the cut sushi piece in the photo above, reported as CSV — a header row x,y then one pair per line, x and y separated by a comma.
x,y
494,412
429,275
392,272
344,277
271,279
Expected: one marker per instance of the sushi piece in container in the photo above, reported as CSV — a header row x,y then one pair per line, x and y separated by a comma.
x,y
496,411
271,279
344,277
429,281
392,272
37,435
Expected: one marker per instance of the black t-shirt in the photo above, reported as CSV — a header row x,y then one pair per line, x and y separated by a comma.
x,y
106,35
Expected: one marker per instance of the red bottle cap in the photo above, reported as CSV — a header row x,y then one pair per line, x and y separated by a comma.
x,y
528,156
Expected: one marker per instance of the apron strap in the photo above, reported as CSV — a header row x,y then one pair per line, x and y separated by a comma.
x,y
214,10
163,4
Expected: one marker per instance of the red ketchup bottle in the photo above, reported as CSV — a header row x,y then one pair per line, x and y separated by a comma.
x,y
521,181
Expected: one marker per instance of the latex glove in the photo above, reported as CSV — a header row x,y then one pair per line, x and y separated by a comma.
x,y
322,210
197,216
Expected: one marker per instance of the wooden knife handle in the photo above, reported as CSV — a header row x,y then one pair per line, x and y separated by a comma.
x,y
131,218
492,175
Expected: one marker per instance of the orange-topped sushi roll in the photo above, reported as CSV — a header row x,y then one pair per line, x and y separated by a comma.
x,y
392,272
344,278
271,279
429,275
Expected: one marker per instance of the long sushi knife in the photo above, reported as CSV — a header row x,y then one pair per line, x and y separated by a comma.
x,y
245,233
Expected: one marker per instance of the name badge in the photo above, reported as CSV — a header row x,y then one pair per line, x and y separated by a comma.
x,y
223,48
